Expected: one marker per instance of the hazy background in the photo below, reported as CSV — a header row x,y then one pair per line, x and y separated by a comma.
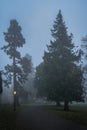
x,y
36,17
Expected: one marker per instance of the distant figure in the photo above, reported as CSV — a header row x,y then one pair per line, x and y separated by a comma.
x,y
0,83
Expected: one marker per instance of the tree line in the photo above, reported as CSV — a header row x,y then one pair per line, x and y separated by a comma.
x,y
59,77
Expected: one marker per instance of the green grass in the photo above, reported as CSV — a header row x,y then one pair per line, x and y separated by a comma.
x,y
8,117
77,113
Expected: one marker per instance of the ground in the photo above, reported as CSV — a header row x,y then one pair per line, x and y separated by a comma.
x,y
37,118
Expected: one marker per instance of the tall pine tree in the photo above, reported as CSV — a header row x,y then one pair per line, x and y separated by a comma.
x,y
63,77
15,40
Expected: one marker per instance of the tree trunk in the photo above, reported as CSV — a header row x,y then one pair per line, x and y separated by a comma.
x,y
17,101
66,105
58,103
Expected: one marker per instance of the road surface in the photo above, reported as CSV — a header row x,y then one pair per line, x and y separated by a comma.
x,y
37,118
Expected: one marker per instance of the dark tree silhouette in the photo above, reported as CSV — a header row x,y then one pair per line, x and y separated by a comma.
x,y
0,83
39,81
15,40
61,76
84,54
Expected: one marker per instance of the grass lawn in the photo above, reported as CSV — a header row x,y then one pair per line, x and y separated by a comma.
x,y
8,117
77,113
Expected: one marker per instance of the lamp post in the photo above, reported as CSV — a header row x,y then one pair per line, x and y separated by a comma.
x,y
14,100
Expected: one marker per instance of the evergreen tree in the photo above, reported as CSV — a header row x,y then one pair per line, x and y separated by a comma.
x,y
15,40
0,83
39,81
62,75
26,69
84,52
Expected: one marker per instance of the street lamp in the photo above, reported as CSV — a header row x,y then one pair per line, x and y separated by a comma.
x,y
14,92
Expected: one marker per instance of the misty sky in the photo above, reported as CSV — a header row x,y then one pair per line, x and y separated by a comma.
x,y
36,18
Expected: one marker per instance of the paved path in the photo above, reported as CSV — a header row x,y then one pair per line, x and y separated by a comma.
x,y
36,118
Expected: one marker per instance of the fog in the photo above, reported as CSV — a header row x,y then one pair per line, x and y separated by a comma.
x,y
43,65
7,95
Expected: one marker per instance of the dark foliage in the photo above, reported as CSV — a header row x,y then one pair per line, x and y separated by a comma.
x,y
60,76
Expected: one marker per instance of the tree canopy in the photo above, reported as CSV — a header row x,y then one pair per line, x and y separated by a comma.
x,y
61,74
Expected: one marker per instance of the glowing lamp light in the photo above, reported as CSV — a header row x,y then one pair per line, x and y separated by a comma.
x,y
14,92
